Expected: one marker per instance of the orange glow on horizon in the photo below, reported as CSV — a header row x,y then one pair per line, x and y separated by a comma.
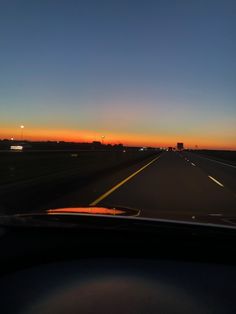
x,y
36,134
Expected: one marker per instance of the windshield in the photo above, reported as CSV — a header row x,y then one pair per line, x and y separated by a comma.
x,y
118,104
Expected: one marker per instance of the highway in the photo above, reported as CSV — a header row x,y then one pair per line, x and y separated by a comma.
x,y
166,185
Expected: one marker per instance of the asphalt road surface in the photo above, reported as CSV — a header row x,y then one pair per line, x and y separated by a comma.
x,y
171,184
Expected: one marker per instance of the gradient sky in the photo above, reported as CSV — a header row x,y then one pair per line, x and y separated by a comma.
x,y
138,72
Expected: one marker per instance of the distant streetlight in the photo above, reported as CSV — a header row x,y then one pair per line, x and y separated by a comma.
x,y
22,131
12,139
103,136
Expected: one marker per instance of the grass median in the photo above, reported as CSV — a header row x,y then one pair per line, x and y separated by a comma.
x,y
37,178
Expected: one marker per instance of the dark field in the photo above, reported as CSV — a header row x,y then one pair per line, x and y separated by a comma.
x,y
21,166
32,178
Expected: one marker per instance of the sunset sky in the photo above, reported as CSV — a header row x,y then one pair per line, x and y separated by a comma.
x,y
138,72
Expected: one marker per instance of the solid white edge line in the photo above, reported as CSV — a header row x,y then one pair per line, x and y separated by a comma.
x,y
219,162
217,182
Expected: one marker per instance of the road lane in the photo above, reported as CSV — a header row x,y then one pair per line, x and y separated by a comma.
x,y
171,185
222,172
92,191
118,185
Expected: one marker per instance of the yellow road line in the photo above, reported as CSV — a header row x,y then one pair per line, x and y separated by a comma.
x,y
98,200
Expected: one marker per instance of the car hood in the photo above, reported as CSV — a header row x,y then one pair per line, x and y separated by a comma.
x,y
77,216
91,210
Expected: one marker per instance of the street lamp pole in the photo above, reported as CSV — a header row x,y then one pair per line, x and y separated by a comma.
x,y
22,131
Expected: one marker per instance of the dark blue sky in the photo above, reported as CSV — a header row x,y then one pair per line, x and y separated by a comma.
x,y
163,70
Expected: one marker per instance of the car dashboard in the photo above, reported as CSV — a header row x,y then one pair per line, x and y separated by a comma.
x,y
117,265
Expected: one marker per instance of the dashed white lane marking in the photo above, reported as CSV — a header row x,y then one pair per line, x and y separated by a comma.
x,y
193,164
216,181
